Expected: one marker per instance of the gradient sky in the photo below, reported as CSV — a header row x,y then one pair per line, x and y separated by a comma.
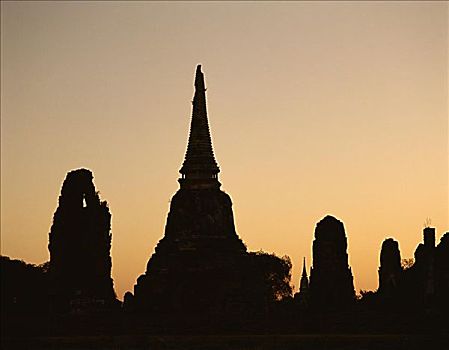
x,y
315,108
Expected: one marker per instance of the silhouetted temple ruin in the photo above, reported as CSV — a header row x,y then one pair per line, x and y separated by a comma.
x,y
423,270
302,297
331,282
390,270
425,284
442,272
197,264
80,244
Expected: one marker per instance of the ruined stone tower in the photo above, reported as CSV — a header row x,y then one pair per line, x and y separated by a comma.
x,y
331,282
390,270
80,244
195,265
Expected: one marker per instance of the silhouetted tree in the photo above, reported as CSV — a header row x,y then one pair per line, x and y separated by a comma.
x,y
275,272
24,287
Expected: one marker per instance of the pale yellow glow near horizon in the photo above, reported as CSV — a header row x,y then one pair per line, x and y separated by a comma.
x,y
321,108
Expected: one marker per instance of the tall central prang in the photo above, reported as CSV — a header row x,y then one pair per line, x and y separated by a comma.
x,y
196,266
200,170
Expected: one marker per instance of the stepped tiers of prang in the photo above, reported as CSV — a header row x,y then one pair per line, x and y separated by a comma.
x,y
198,263
80,244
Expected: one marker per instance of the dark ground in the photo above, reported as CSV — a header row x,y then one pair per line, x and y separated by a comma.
x,y
361,331
234,342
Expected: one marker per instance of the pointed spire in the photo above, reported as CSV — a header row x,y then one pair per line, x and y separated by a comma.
x,y
199,170
304,282
304,272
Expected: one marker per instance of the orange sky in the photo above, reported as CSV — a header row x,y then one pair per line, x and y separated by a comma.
x,y
314,108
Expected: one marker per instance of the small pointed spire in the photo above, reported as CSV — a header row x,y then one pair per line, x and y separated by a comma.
x,y
199,170
304,271
304,282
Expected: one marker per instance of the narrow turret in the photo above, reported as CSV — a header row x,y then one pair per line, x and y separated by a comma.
x,y
304,283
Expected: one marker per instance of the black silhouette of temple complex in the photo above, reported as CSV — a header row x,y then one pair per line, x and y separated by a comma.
x,y
202,278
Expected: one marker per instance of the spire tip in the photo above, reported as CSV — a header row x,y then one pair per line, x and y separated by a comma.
x,y
199,79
